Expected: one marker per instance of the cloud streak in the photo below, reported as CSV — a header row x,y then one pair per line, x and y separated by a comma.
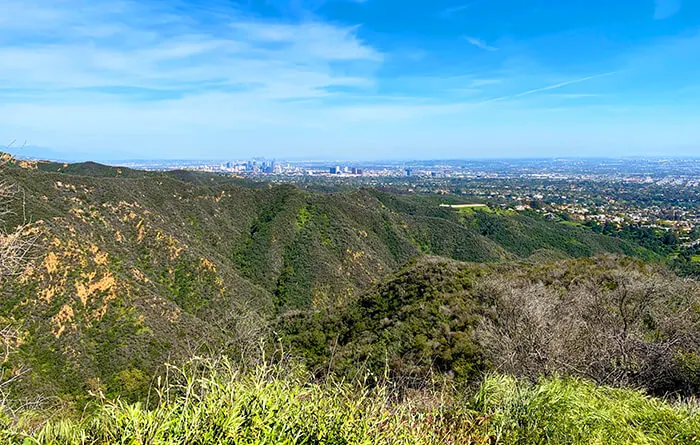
x,y
447,12
548,88
563,84
480,43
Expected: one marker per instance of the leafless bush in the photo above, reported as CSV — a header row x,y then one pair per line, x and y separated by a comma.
x,y
15,246
625,328
10,338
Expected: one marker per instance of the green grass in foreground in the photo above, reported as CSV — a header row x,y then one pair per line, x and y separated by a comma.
x,y
573,411
214,404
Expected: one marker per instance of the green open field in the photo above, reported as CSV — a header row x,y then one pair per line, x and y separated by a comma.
x,y
463,206
472,210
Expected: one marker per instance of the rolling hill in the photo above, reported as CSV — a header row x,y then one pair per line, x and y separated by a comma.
x,y
132,269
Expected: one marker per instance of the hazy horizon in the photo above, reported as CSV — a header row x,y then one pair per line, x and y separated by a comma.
x,y
38,153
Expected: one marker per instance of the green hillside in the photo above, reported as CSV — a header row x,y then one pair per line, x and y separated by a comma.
x,y
616,321
457,234
133,269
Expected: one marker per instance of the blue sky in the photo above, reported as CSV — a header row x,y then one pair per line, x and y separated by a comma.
x,y
119,79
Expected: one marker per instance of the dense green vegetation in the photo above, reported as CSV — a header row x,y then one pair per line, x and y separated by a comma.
x,y
687,261
419,321
619,322
655,240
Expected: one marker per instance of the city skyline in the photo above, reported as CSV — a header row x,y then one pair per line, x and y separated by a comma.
x,y
36,153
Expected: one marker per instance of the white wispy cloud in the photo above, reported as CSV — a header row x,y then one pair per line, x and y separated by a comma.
x,y
666,8
106,73
447,12
411,109
170,51
480,43
563,84
554,86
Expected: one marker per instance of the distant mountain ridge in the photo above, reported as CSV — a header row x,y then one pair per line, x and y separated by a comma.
x,y
35,152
